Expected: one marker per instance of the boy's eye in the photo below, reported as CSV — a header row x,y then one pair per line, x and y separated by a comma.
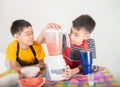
x,y
27,34
76,35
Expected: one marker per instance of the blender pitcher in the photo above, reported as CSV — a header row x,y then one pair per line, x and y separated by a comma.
x,y
54,41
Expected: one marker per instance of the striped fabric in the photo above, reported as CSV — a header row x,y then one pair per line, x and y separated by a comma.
x,y
75,51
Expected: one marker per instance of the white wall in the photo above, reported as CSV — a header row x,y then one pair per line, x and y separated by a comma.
x,y
40,12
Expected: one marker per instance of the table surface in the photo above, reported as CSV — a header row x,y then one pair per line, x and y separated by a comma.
x,y
102,78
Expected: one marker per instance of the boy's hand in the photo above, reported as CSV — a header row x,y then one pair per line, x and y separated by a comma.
x,y
41,64
67,73
53,25
41,37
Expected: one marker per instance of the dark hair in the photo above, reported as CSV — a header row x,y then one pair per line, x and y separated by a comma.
x,y
18,26
84,21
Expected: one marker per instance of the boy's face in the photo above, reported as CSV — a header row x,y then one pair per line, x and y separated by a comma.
x,y
26,37
77,36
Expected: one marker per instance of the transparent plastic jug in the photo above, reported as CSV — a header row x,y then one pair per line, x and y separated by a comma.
x,y
54,41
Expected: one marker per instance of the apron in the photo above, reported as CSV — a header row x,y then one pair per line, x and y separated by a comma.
x,y
23,63
74,63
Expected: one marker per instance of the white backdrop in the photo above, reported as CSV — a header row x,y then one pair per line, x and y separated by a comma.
x,y
40,12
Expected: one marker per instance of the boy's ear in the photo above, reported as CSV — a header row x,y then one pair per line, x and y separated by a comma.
x,y
87,36
16,36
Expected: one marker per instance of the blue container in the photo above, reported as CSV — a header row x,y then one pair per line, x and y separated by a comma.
x,y
86,60
87,69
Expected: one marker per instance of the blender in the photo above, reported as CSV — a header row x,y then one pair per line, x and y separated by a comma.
x,y
55,62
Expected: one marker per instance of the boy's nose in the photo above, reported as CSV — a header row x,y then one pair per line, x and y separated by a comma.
x,y
72,37
31,36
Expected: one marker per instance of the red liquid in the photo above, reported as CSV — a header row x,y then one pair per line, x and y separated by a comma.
x,y
54,48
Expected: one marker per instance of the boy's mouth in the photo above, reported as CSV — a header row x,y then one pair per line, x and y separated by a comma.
x,y
30,41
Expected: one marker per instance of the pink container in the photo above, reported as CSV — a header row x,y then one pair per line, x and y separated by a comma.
x,y
54,41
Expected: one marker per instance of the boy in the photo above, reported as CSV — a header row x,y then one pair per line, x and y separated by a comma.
x,y
77,41
24,51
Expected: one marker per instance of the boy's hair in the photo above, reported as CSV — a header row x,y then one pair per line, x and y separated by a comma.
x,y
18,26
84,21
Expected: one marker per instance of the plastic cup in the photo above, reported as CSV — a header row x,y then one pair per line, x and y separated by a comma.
x,y
86,60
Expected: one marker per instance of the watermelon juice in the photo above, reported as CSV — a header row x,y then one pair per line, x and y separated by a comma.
x,y
54,47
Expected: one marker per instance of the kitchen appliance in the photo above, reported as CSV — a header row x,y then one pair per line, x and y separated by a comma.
x,y
55,62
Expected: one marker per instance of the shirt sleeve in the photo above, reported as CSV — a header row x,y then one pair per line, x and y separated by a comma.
x,y
91,47
11,52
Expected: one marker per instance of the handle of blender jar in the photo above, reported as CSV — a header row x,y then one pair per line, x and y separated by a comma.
x,y
67,39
